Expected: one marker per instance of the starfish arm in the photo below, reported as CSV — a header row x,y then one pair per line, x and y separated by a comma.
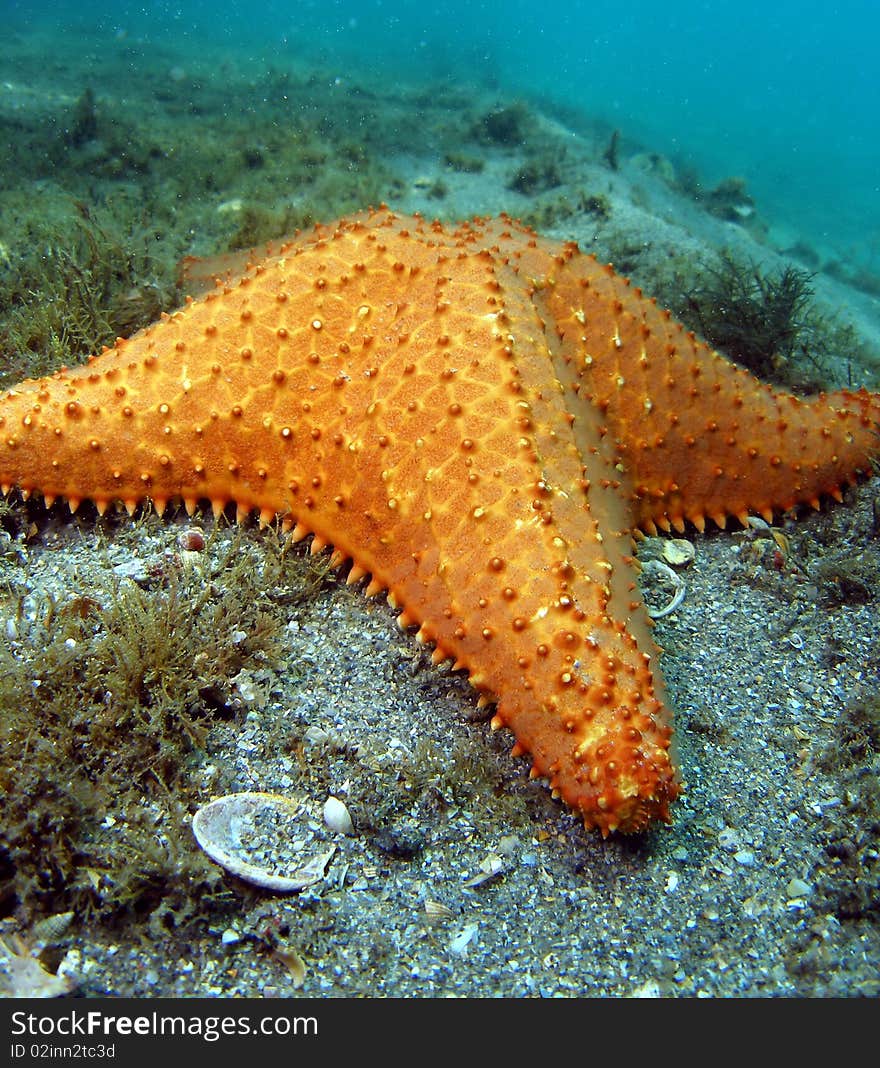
x,y
700,437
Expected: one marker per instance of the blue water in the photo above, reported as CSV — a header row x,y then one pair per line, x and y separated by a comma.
x,y
781,92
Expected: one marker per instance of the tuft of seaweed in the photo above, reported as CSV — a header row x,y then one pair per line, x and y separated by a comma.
x,y
730,201
754,317
82,284
508,126
536,175
611,155
110,707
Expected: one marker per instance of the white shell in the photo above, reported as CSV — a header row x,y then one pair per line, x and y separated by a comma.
x,y
26,977
247,833
337,817
316,736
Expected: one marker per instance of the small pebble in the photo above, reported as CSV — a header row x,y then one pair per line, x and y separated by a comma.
x,y
459,944
798,888
508,845
649,989
729,839
134,569
192,540
678,551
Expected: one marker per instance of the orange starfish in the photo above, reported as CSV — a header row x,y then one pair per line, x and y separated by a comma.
x,y
478,419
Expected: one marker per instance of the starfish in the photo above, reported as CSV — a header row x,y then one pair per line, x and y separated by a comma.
x,y
478,420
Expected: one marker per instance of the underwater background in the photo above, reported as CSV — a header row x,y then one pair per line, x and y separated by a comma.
x,y
724,157
783,94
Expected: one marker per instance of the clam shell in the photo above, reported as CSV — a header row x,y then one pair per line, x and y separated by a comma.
x,y
254,836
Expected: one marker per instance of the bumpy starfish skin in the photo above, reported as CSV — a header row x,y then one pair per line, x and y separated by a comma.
x,y
478,419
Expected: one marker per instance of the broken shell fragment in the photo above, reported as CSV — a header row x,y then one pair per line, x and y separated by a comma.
x,y
337,816
23,975
490,866
437,912
658,576
294,963
260,838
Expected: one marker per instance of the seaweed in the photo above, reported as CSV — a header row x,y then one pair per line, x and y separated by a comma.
x,y
595,204
756,318
463,163
509,126
258,224
110,707
536,175
84,126
611,155
848,884
82,284
551,212
729,201
847,580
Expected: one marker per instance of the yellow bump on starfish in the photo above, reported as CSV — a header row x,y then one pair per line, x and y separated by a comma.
x,y
478,420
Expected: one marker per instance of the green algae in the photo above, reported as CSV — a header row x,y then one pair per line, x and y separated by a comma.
x,y
83,282
111,704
